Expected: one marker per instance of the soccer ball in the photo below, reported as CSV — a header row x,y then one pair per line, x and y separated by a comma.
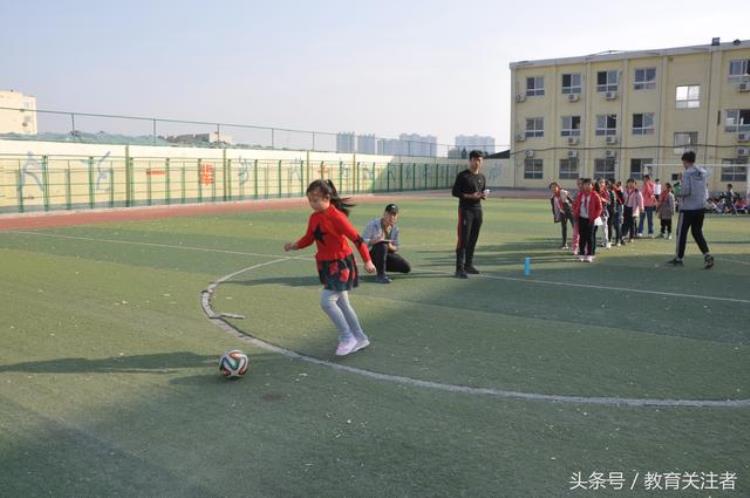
x,y
233,364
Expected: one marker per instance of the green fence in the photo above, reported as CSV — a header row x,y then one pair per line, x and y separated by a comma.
x,y
46,183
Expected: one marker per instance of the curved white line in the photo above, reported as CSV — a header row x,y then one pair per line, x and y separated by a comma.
x,y
217,320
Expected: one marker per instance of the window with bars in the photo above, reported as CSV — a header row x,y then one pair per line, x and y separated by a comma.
x,y
534,127
569,168
533,169
534,86
734,171
606,124
643,123
570,126
605,168
571,83
645,79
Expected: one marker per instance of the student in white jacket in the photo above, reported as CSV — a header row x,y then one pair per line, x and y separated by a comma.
x,y
381,236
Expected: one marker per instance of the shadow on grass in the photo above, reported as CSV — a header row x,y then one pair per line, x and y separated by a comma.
x,y
150,363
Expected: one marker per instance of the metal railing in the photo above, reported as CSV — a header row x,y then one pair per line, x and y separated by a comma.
x,y
58,182
80,127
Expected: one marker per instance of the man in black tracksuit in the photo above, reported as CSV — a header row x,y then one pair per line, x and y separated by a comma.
x,y
470,188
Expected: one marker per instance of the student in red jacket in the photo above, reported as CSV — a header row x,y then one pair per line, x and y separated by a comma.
x,y
329,227
586,209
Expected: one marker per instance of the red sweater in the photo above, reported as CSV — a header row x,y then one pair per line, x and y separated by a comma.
x,y
594,204
329,230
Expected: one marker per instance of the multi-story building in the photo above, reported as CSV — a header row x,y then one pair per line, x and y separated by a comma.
x,y
623,114
366,144
475,142
21,121
345,142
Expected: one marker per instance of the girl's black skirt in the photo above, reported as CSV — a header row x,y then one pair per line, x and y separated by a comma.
x,y
339,274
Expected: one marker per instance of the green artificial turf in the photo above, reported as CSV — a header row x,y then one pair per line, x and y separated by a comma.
x,y
109,383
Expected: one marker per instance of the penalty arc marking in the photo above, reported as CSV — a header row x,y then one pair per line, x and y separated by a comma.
x,y
219,320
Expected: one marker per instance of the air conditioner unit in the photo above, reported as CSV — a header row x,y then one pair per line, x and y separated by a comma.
x,y
521,137
610,153
572,140
610,95
573,97
743,151
611,139
529,153
743,137
572,154
521,97
744,86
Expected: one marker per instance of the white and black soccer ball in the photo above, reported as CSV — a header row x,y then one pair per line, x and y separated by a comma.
x,y
233,364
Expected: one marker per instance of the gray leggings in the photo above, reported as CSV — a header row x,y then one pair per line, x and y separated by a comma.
x,y
336,305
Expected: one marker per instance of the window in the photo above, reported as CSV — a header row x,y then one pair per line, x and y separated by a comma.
x,y
643,124
571,83
533,169
571,126
688,97
645,79
604,168
535,86
737,120
685,141
638,167
606,81
735,171
569,168
534,127
606,124
739,69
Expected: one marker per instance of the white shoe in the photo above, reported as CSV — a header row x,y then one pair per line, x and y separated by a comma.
x,y
609,244
361,344
669,237
589,259
581,258
346,347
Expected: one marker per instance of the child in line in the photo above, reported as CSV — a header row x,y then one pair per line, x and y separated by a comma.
x,y
619,199
586,209
576,239
329,227
561,212
665,209
633,205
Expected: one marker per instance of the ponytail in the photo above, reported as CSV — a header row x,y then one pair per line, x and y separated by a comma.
x,y
328,189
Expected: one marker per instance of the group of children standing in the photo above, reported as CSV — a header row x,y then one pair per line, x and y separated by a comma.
x,y
605,207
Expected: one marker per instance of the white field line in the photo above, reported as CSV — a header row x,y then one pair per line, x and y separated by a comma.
x,y
217,320
302,258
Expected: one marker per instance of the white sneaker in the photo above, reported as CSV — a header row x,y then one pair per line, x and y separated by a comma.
x,y
346,347
609,244
361,344
581,258
589,259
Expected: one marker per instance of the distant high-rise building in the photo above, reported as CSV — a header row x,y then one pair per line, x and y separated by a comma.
x,y
22,122
389,147
345,142
366,144
475,142
418,145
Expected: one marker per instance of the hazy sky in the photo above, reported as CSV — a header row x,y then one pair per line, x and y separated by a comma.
x,y
382,67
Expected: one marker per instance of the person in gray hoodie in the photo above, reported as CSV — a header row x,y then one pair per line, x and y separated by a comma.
x,y
693,195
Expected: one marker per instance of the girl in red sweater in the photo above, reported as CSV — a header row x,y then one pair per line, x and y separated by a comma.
x,y
329,227
587,208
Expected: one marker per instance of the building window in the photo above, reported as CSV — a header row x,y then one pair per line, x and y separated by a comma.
x,y
734,171
569,168
638,167
606,124
534,127
606,81
737,120
604,168
571,126
571,83
739,69
645,79
685,141
688,96
535,86
533,169
643,124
